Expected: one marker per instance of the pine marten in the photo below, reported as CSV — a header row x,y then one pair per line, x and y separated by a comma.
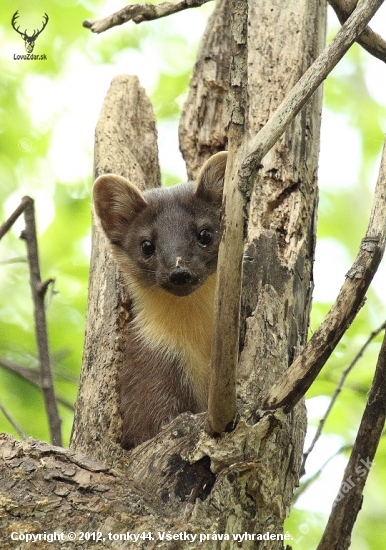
x,y
165,242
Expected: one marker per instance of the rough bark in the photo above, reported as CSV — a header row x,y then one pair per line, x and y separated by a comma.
x,y
277,283
47,489
222,406
281,231
279,251
204,119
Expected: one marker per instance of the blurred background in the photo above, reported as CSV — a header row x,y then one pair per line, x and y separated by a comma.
x,y
48,112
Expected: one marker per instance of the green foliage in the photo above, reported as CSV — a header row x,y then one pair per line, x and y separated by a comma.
x,y
306,529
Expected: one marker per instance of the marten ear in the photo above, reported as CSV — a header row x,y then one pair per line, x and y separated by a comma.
x,y
210,181
116,202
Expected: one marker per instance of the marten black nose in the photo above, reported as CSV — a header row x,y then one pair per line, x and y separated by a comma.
x,y
180,276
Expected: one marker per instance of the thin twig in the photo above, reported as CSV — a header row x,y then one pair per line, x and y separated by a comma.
x,y
12,421
38,291
139,13
305,484
296,380
338,389
6,226
349,499
369,40
32,376
356,387
16,260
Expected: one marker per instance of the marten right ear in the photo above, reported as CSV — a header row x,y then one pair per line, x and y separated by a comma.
x,y
210,180
116,202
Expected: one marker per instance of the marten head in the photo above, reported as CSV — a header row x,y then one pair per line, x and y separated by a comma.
x,y
164,237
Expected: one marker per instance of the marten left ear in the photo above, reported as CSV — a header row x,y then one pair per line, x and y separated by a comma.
x,y
116,202
210,181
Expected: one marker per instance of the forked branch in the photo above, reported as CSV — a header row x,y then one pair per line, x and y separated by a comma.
x,y
6,226
39,290
233,237
32,377
369,40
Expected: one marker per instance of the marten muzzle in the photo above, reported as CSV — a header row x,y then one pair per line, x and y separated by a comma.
x,y
180,276
180,281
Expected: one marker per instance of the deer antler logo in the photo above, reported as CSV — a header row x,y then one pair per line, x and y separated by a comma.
x,y
29,41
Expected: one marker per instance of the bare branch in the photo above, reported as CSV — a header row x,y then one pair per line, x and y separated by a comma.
x,y
296,380
43,287
338,389
12,421
30,375
139,13
222,389
369,40
349,500
38,291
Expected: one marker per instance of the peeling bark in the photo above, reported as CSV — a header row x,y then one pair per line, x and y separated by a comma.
x,y
204,119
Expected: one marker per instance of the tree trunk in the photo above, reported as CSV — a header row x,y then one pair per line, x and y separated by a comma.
x,y
183,481
125,144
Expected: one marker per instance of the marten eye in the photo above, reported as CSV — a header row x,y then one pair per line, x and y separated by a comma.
x,y
205,237
147,248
